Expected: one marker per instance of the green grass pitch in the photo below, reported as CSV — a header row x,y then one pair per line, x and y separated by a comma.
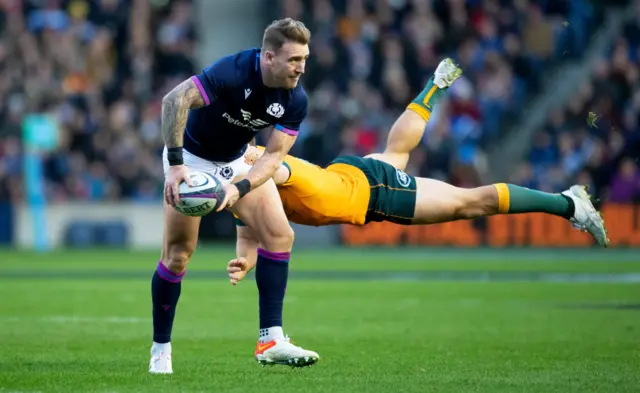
x,y
382,320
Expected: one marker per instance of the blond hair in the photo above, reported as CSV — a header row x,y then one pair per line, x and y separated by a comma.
x,y
283,30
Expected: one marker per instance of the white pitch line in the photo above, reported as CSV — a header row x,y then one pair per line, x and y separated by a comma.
x,y
77,319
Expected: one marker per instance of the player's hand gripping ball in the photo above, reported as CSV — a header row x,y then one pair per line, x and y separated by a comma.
x,y
202,198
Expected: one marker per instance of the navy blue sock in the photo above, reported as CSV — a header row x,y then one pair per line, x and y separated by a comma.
x,y
272,272
165,292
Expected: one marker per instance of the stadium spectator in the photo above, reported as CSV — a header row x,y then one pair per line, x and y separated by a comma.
x,y
102,74
602,153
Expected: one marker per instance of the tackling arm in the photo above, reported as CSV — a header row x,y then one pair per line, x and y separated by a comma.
x,y
175,109
282,173
246,255
247,246
266,166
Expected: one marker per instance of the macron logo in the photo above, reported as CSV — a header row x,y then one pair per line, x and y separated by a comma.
x,y
247,93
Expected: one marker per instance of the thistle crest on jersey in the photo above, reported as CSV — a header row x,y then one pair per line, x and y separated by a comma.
x,y
276,110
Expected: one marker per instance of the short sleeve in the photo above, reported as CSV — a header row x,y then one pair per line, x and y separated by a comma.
x,y
294,114
212,80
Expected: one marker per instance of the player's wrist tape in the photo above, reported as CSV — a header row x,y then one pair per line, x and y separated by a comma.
x,y
174,156
243,186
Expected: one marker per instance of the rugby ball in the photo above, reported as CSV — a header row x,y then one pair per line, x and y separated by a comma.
x,y
202,198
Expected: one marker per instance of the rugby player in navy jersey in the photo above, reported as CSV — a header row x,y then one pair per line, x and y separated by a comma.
x,y
207,122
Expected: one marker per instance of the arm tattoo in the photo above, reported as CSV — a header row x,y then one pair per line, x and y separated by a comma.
x,y
175,109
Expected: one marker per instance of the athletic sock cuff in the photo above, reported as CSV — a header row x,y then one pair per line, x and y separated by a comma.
x,y
281,257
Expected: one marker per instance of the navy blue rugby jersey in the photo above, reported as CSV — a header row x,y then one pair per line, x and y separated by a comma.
x,y
237,105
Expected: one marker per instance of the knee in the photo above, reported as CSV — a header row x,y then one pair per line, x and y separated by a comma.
x,y
474,203
280,240
176,257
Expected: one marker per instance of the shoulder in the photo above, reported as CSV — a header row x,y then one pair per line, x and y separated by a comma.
x,y
234,68
297,102
298,98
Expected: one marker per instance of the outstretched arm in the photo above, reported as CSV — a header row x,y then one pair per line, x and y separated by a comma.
x,y
279,144
246,254
265,167
247,245
251,156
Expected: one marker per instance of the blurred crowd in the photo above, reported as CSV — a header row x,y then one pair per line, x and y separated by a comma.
x,y
102,73
595,139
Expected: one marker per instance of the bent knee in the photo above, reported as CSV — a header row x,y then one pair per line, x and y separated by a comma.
x,y
280,240
177,257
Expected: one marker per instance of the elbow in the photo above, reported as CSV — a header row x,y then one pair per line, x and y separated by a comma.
x,y
173,101
167,104
168,100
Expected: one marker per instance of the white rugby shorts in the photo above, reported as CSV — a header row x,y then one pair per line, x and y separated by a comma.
x,y
223,171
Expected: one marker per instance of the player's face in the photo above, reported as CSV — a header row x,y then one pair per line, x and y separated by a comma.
x,y
287,64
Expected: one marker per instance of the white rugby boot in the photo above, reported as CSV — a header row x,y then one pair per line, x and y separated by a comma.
x,y
446,73
282,351
160,362
586,217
